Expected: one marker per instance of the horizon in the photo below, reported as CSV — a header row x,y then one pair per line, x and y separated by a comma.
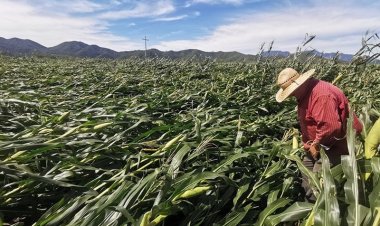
x,y
265,51
207,25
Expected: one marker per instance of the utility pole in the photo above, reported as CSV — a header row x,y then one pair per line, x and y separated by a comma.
x,y
145,39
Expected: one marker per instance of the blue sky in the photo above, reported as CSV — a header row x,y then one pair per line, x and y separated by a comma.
x,y
209,25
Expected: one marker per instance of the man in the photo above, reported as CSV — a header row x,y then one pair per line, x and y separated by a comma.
x,y
323,110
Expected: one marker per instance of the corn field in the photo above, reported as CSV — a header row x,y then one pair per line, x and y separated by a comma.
x,y
174,142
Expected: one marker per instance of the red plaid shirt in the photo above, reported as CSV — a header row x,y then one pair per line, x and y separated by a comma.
x,y
323,111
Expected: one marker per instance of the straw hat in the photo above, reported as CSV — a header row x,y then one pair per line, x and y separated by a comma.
x,y
289,80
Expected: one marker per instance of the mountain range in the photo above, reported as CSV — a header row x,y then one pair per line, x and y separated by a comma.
x,y
16,46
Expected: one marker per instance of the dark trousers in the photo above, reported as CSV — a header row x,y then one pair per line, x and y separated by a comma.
x,y
316,166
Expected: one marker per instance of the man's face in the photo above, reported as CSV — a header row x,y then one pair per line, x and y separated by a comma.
x,y
297,93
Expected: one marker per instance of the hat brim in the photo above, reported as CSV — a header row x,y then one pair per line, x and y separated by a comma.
x,y
282,94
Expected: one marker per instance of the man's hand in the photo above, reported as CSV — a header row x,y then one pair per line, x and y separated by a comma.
x,y
313,148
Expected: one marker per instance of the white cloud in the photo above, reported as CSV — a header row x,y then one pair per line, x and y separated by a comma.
x,y
84,6
141,9
168,35
65,6
338,26
19,19
116,2
171,18
214,2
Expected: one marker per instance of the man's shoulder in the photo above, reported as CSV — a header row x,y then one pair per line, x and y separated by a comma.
x,y
324,88
325,83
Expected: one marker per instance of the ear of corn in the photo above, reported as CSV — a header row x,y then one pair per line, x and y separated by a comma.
x,y
145,219
372,141
295,138
68,133
102,126
63,117
338,78
192,192
171,142
158,220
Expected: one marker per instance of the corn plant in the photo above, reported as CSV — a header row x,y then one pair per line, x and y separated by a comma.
x,y
171,142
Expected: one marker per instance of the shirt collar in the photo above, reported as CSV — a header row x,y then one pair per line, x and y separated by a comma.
x,y
304,90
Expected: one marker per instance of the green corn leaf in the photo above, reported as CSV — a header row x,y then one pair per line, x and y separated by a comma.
x,y
279,203
332,211
295,212
235,217
34,176
192,182
229,161
375,165
272,196
351,187
286,185
177,160
311,176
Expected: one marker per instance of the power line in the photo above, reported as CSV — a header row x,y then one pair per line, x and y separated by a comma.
x,y
145,39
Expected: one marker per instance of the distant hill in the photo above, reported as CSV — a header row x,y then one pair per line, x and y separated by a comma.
x,y
341,56
188,54
275,53
80,49
16,46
